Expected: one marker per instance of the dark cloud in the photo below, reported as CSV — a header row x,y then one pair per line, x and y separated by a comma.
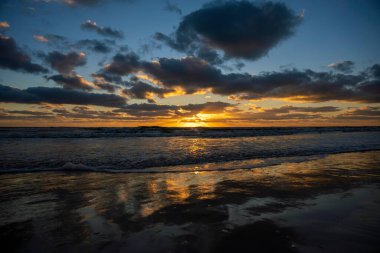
x,y
65,63
141,90
122,64
83,112
57,114
172,7
107,86
286,117
208,108
26,112
193,75
190,73
57,41
24,115
375,71
209,55
148,110
102,30
364,113
173,111
344,66
189,113
105,77
305,85
14,58
290,108
284,113
241,29
239,65
370,87
167,40
96,45
62,43
36,95
103,84
72,82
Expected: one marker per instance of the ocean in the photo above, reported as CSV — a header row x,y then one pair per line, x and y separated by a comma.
x,y
188,190
155,149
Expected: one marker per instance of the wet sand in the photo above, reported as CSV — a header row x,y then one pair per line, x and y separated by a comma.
x,y
330,204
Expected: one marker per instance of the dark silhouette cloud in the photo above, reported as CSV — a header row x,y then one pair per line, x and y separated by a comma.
x,y
26,112
290,108
209,55
36,95
375,71
103,84
285,113
72,82
193,75
141,90
65,63
105,77
56,41
269,116
14,58
130,112
24,115
344,66
148,110
102,30
364,113
172,7
241,29
305,85
107,86
122,64
96,45
62,43
174,111
209,107
83,112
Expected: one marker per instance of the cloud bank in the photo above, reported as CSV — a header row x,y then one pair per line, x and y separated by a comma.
x,y
194,75
14,58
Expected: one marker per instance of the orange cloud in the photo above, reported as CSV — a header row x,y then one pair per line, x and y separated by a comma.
x,y
4,25
40,38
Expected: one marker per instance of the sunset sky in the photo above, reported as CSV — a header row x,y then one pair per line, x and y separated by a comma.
x,y
189,63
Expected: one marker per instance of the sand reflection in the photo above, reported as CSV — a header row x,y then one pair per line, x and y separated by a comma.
x,y
95,210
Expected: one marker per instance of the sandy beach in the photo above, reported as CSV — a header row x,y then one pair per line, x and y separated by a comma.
x,y
327,204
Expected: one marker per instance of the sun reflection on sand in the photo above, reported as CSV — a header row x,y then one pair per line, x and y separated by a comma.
x,y
96,207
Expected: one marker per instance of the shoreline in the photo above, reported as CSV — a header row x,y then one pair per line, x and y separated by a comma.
x,y
253,163
318,205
